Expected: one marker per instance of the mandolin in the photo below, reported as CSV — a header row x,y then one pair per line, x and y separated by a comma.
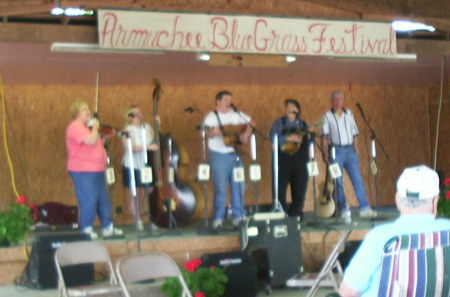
x,y
325,202
291,147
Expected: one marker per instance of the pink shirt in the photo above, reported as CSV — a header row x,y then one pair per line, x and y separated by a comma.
x,y
83,157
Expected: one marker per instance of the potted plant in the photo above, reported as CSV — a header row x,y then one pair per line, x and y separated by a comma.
x,y
444,200
201,281
16,220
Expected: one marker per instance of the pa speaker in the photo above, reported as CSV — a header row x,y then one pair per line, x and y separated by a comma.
x,y
41,270
240,269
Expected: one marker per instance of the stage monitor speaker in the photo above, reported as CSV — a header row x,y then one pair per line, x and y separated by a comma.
x,y
275,243
240,269
41,269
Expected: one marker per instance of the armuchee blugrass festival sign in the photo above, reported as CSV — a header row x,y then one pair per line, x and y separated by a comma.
x,y
200,32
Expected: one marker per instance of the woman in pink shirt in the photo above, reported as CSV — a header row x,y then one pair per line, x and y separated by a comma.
x,y
86,164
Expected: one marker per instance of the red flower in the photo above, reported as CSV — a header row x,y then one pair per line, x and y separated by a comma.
x,y
199,294
21,199
447,181
192,265
447,195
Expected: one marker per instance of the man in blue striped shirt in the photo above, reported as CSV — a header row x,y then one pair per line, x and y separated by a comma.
x,y
340,131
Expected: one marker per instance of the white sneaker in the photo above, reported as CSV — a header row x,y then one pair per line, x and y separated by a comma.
x,y
368,213
90,231
140,225
111,231
217,223
236,222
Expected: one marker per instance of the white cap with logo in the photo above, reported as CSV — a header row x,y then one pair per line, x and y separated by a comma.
x,y
419,182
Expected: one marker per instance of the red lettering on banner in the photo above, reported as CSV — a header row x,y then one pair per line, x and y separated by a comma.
x,y
220,40
320,40
256,31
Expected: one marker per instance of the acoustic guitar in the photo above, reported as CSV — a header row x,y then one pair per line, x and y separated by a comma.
x,y
325,203
231,137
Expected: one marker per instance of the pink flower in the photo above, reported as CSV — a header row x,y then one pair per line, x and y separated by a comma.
x,y
447,181
447,195
192,265
21,199
199,294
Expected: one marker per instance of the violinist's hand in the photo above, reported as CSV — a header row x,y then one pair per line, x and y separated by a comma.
x,y
95,123
158,119
152,147
215,131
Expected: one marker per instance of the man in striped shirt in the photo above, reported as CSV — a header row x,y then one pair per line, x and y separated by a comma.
x,y
340,132
416,198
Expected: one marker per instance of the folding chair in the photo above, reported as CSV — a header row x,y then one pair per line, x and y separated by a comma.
x,y
84,252
416,265
326,275
141,267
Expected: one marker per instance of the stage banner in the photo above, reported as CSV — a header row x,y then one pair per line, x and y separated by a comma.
x,y
200,32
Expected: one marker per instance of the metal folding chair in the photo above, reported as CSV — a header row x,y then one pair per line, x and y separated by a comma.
x,y
326,276
84,252
142,267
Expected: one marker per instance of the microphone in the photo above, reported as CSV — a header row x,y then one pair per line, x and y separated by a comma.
x,y
123,133
189,109
360,108
234,107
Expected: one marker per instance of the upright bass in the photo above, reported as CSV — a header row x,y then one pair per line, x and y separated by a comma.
x,y
172,202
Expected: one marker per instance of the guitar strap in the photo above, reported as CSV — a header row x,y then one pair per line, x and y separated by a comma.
x,y
218,119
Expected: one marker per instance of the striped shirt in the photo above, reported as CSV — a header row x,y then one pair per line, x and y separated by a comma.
x,y
341,129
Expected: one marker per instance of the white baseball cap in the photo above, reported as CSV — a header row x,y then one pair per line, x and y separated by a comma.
x,y
419,182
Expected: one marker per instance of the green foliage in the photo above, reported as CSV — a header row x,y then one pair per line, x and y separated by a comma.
x,y
444,200
15,222
210,281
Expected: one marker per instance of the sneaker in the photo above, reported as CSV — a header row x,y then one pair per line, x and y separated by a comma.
x,y
368,213
236,222
140,225
90,231
111,231
217,224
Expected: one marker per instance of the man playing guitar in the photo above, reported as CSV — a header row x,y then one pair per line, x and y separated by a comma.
x,y
226,163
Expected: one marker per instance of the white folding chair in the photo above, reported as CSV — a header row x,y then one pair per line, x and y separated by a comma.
x,y
146,266
84,252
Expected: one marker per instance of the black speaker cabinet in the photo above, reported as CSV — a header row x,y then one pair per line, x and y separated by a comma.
x,y
41,270
275,244
240,269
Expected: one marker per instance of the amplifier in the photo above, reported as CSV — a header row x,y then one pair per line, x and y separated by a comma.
x,y
41,270
275,244
240,269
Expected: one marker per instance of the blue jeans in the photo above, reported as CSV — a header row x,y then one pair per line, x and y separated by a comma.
x,y
222,166
90,188
347,158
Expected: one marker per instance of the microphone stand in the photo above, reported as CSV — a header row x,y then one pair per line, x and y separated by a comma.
x,y
205,228
254,129
277,207
374,139
315,223
255,169
133,189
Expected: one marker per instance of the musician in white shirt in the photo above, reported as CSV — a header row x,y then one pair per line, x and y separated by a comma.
x,y
340,131
224,159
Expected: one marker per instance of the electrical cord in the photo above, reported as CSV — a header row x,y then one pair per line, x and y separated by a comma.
x,y
5,140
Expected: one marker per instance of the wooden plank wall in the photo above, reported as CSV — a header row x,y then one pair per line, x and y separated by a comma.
x,y
37,116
